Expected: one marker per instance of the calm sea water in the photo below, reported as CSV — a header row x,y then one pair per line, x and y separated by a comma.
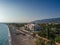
x,y
4,38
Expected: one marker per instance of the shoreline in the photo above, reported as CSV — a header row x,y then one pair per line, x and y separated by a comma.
x,y
13,40
9,36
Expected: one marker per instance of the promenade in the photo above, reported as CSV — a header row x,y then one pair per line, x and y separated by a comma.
x,y
20,39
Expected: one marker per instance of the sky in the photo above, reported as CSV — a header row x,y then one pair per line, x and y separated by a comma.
x,y
28,10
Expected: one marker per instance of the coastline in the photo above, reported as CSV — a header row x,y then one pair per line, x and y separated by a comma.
x,y
9,36
12,36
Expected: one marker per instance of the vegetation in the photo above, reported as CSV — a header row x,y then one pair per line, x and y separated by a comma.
x,y
57,39
40,41
50,31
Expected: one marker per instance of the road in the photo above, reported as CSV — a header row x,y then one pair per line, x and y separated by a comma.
x,y
20,39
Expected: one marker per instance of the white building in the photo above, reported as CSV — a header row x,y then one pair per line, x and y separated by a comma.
x,y
32,27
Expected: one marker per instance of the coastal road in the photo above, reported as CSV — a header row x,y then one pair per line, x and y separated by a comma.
x,y
20,39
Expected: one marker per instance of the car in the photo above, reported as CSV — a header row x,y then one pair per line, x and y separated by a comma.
x,y
18,33
24,34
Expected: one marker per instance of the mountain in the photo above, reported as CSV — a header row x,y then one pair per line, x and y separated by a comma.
x,y
51,20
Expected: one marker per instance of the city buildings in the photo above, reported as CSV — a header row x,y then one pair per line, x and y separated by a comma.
x,y
32,27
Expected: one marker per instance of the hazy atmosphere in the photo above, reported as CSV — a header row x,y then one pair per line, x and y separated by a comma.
x,y
28,10
29,22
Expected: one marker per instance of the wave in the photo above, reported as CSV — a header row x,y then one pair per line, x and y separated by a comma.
x,y
9,35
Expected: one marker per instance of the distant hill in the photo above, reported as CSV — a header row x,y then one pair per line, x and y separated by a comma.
x,y
51,20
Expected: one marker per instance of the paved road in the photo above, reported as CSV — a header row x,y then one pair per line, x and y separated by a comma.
x,y
21,39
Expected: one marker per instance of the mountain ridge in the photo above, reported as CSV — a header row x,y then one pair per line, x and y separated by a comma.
x,y
51,20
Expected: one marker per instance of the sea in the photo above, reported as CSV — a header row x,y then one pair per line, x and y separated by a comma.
x,y
4,35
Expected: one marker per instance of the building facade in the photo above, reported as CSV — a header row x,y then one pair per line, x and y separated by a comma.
x,y
32,27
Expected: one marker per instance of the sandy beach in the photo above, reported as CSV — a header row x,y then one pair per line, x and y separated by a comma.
x,y
20,39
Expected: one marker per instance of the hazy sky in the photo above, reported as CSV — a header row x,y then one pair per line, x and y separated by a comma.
x,y
28,10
